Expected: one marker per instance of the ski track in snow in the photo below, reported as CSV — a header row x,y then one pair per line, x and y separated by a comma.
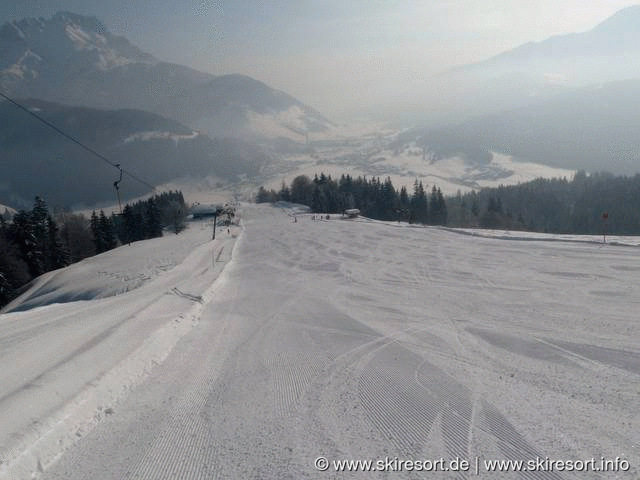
x,y
365,340
65,363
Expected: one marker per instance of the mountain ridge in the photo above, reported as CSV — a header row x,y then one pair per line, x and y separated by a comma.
x,y
608,32
592,128
73,59
38,161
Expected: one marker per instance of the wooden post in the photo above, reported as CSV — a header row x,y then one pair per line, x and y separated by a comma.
x,y
215,217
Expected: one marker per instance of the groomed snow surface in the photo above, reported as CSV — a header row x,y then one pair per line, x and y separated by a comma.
x,y
351,340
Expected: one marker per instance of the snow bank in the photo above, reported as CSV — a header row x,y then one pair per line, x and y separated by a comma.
x,y
66,365
620,240
114,272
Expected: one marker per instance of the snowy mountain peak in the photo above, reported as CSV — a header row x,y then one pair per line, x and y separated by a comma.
x,y
60,39
622,22
536,71
74,60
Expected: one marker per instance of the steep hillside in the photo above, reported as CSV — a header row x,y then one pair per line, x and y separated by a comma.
x,y
39,161
230,104
75,60
593,128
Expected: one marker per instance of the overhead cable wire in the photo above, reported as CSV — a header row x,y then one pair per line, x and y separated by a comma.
x,y
76,141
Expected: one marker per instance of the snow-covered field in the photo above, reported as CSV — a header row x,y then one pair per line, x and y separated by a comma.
x,y
406,165
350,340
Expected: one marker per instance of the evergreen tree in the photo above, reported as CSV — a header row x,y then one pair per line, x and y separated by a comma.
x,y
438,208
6,289
118,227
418,210
404,204
138,226
475,208
316,201
413,207
434,208
494,205
442,206
152,220
374,198
389,200
14,272
129,224
56,256
38,220
77,236
494,216
301,190
23,235
107,232
36,235
284,194
262,196
176,215
39,215
96,230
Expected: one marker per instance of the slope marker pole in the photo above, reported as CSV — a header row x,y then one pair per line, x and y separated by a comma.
x,y
605,220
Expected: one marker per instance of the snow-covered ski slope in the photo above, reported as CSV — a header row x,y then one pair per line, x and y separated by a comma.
x,y
351,340
99,327
114,272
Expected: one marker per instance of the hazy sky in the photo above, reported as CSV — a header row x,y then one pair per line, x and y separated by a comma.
x,y
339,56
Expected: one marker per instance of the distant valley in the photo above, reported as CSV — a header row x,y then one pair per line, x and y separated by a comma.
x,y
589,128
543,109
74,60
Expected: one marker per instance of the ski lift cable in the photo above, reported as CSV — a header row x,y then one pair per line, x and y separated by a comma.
x,y
116,185
76,141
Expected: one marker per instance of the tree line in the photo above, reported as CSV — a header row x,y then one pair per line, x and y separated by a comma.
x,y
35,241
141,220
554,205
374,198
557,205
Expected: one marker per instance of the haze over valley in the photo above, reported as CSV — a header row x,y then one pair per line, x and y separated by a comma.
x,y
541,109
251,239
